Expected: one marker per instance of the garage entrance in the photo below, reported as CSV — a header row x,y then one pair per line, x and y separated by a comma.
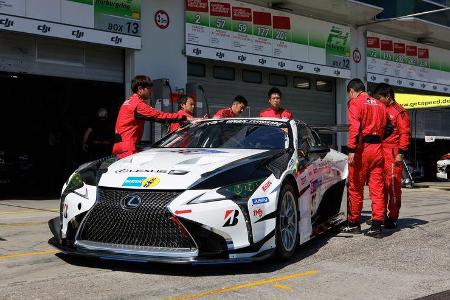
x,y
42,121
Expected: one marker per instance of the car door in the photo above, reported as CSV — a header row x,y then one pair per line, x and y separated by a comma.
x,y
312,164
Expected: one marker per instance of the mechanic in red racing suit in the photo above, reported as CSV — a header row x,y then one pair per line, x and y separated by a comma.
x,y
367,119
186,107
132,115
235,110
275,110
394,147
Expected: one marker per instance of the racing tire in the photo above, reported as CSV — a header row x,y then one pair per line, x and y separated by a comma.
x,y
287,228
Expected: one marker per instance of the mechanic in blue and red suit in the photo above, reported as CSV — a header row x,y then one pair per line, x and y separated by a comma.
x,y
235,110
367,118
395,146
275,110
132,115
186,107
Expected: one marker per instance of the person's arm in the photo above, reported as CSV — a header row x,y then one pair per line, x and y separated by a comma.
x,y
354,126
144,111
86,138
404,129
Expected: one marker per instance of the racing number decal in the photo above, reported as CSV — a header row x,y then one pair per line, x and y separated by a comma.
x,y
231,217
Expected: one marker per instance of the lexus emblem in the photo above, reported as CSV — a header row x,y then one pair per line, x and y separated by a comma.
x,y
131,202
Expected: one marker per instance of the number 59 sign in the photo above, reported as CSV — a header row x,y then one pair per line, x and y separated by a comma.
x,y
162,19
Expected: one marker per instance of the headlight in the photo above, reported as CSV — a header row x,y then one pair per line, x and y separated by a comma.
x,y
74,183
241,190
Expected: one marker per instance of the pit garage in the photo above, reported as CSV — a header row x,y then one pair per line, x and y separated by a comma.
x,y
50,91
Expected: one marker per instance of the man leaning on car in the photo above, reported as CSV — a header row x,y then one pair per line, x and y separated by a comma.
x,y
132,115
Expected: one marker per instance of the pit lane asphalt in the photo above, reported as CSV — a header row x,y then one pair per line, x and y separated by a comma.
x,y
411,262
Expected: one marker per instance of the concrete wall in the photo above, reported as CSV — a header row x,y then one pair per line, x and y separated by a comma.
x,y
161,55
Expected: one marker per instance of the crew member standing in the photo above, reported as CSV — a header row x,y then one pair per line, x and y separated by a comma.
x,y
395,146
235,110
275,110
367,123
132,115
186,107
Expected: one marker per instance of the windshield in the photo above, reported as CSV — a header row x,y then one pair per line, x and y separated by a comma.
x,y
230,133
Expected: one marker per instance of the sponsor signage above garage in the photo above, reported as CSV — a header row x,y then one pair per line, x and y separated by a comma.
x,y
407,64
413,101
108,22
236,32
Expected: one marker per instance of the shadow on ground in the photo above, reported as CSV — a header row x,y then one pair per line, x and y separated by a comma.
x,y
266,266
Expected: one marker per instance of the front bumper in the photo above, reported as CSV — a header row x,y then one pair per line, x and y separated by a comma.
x,y
141,254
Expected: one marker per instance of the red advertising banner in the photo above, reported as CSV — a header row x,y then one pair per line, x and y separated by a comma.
x,y
373,42
242,14
423,53
219,9
197,5
280,22
399,48
411,50
387,45
262,18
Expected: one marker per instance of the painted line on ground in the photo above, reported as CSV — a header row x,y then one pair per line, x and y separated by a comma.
x,y
244,286
22,224
282,286
28,254
29,208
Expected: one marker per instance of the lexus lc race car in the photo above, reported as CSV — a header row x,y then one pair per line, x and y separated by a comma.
x,y
222,190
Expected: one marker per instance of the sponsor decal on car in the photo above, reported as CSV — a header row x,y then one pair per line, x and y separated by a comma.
x,y
146,182
231,217
303,180
314,185
259,212
260,200
171,172
266,185
256,122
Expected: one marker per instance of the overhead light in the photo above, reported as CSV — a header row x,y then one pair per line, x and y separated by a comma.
x,y
424,40
280,6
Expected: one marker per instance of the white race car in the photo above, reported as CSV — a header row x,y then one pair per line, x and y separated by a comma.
x,y
221,190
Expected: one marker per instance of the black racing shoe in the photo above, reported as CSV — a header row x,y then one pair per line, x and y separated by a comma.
x,y
375,230
390,223
354,228
369,222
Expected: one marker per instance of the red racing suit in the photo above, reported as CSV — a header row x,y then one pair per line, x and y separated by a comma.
x,y
367,119
175,125
225,113
130,124
397,142
282,113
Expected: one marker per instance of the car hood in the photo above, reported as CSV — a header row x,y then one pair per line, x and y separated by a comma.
x,y
173,168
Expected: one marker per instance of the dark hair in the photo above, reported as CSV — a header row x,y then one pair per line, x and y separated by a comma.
x,y
142,81
240,99
184,100
385,90
274,90
357,85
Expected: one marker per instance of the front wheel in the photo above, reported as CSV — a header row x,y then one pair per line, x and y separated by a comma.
x,y
287,234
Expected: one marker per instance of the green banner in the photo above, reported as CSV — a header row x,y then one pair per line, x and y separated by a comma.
x,y
120,8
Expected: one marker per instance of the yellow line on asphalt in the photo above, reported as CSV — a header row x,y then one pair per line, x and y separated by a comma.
x,y
244,286
28,254
282,286
21,224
